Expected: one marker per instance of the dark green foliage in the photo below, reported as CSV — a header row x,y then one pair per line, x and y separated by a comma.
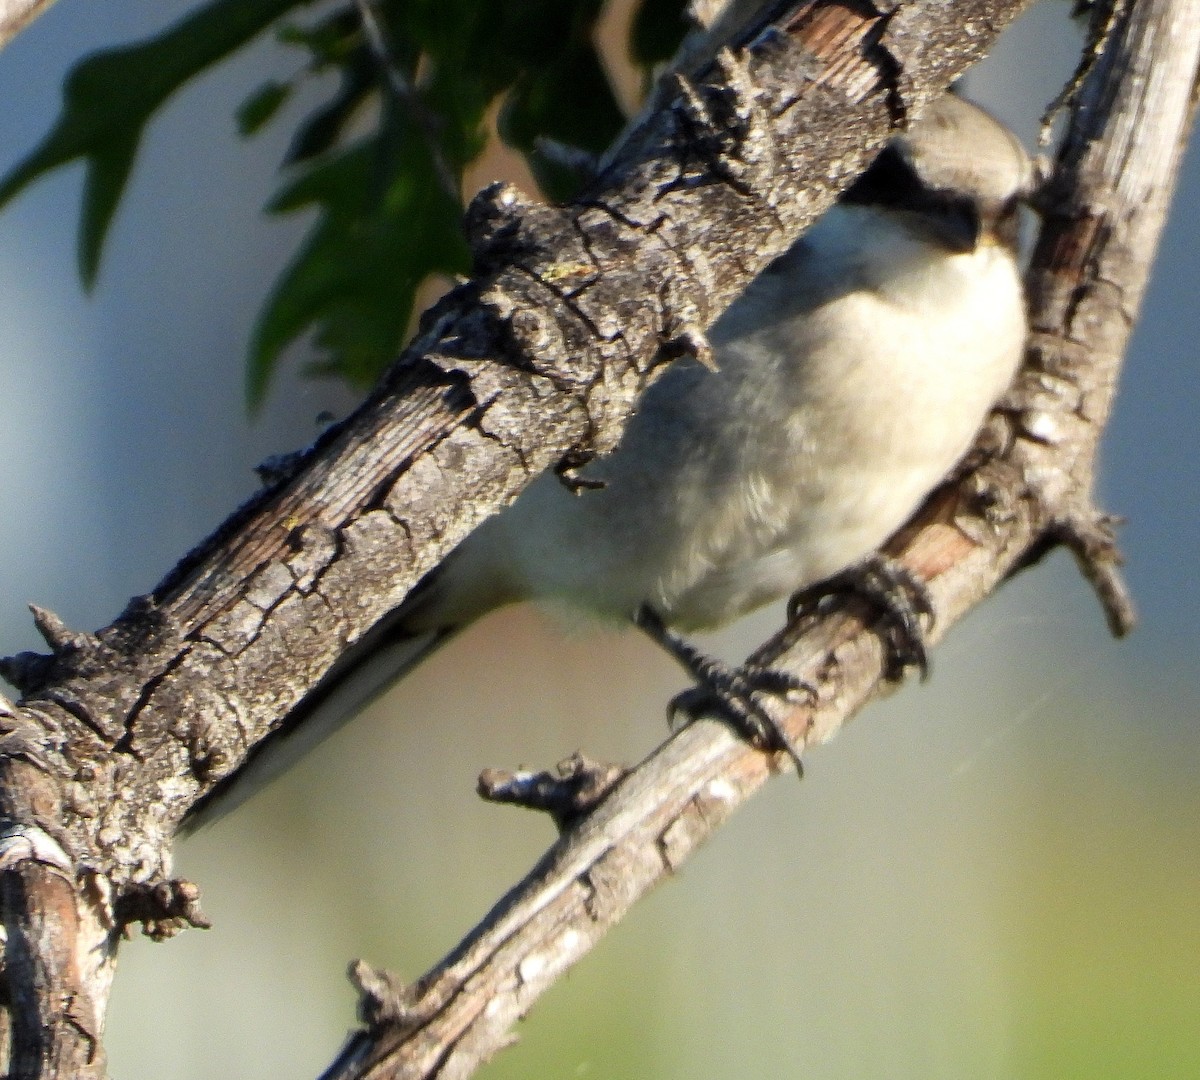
x,y
260,106
387,195
108,98
385,224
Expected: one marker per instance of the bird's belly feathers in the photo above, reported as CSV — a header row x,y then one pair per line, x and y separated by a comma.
x,y
871,430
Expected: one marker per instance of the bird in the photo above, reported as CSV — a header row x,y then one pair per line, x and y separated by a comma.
x,y
851,376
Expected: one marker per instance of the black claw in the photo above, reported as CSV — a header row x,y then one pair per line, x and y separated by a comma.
x,y
742,713
728,692
901,597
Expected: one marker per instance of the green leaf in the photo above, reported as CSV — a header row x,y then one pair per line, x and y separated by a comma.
x,y
329,39
322,129
385,221
385,226
260,106
110,96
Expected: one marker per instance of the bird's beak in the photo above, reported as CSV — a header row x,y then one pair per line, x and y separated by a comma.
x,y
957,226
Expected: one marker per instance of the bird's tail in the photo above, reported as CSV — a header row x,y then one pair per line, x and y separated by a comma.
x,y
364,672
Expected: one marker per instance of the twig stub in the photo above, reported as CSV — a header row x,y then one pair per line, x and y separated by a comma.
x,y
572,789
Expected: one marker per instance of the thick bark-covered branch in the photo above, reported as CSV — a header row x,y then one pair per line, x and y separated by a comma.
x,y
1103,215
120,732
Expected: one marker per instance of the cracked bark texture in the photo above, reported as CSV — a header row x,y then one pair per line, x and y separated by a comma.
x,y
571,312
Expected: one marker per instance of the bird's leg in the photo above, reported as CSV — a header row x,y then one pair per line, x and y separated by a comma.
x,y
727,691
901,597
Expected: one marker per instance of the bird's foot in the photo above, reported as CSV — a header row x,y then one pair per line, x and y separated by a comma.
x,y
728,692
901,597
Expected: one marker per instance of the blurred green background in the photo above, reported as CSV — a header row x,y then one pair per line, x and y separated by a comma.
x,y
993,875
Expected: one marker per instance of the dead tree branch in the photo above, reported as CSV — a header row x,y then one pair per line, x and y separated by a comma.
x,y
1032,488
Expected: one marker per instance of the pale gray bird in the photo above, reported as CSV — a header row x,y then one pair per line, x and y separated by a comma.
x,y
853,374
